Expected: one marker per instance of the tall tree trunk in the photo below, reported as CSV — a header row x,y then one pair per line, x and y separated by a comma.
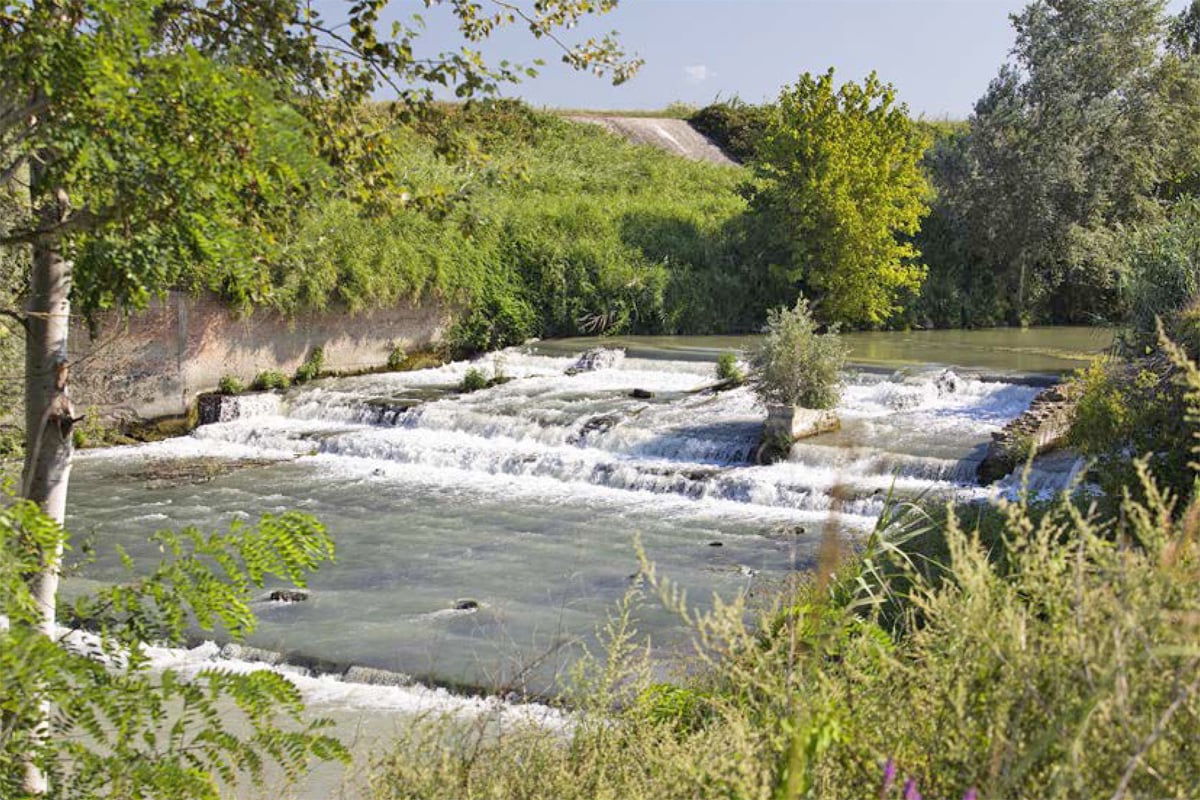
x,y
49,418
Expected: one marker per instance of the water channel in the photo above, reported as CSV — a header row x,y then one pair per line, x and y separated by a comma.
x,y
482,537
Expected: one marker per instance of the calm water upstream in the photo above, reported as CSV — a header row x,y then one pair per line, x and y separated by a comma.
x,y
526,497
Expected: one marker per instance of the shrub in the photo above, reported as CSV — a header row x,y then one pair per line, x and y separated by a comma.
x,y
1164,266
736,126
728,369
230,384
473,381
312,367
1134,409
396,357
794,365
269,380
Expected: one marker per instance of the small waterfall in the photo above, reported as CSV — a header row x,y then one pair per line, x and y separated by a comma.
x,y
908,433
216,408
525,496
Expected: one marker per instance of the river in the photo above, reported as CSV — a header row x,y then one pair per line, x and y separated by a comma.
x,y
525,499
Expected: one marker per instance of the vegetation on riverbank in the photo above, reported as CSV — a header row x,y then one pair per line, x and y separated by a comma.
x,y
1028,651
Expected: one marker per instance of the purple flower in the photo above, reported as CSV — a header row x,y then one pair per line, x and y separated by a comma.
x,y
971,794
910,790
889,777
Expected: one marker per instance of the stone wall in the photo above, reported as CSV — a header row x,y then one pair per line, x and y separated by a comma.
x,y
153,363
1041,429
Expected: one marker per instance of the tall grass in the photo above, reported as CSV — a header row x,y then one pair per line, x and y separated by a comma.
x,y
557,227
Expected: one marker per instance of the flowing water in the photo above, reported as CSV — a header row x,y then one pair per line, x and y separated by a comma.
x,y
526,498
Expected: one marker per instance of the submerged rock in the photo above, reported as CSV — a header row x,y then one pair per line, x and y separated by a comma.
x,y
601,423
288,595
597,358
947,382
163,473
466,604
244,652
376,677
642,394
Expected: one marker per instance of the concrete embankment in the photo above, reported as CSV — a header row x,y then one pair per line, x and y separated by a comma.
x,y
155,362
673,135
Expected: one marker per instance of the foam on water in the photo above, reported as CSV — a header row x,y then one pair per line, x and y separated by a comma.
x,y
526,495
326,692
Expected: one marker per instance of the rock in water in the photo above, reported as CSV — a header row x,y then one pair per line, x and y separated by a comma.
x,y
376,677
466,605
601,423
289,595
787,424
597,358
642,394
947,382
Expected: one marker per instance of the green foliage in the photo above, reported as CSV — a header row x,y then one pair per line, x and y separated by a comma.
x,y
472,381
119,729
795,365
839,182
735,126
1134,409
312,367
230,384
270,380
562,229
1091,129
1164,266
728,369
396,357
679,707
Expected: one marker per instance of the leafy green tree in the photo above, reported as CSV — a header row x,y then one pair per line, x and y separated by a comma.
x,y
838,175
1092,126
165,142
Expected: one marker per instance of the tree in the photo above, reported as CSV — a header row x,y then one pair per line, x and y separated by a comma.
x,y
1093,126
148,133
838,177
794,365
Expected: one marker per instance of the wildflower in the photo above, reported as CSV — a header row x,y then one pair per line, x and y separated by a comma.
x,y
910,790
889,777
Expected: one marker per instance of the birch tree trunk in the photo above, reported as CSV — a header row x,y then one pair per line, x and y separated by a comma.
x,y
49,418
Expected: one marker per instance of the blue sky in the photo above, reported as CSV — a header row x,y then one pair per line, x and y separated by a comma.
x,y
940,54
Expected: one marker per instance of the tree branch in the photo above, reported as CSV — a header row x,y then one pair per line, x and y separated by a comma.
x,y
20,319
80,220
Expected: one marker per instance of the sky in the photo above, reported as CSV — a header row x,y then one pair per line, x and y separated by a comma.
x,y
939,54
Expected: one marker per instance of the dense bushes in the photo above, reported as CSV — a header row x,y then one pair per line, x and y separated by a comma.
x,y
561,229
794,365
1164,265
735,126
